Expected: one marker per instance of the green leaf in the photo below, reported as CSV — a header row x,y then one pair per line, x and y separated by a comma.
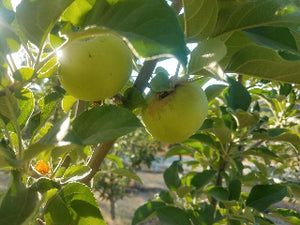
x,y
74,204
256,14
77,10
206,139
43,185
288,215
150,35
161,81
234,187
261,151
172,215
278,135
7,157
200,18
9,40
133,98
277,38
166,196
19,202
205,57
212,91
203,178
145,211
203,216
217,127
219,193
68,102
75,172
171,176
36,18
246,119
264,63
127,173
115,159
262,196
177,150
103,124
9,107
23,74
237,97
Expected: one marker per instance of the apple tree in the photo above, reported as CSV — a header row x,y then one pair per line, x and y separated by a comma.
x,y
78,75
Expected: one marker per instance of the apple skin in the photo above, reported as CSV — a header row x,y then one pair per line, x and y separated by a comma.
x,y
95,68
174,118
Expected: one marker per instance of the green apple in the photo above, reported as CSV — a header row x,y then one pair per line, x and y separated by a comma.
x,y
175,116
95,68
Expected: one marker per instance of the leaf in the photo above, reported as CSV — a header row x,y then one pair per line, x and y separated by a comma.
x,y
288,215
103,124
172,215
277,38
9,107
75,172
77,10
133,98
206,56
166,196
74,204
217,127
43,185
212,91
115,159
206,139
237,97
8,158
261,151
68,102
9,40
200,18
264,63
256,14
272,135
171,176
246,119
19,202
23,74
202,178
234,188
219,193
262,196
145,211
161,81
203,216
150,36
127,173
36,18
177,150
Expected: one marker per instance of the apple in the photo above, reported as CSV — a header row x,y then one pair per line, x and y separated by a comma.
x,y
174,116
95,68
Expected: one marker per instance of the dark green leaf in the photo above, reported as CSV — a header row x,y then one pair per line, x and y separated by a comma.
x,y
103,124
262,196
261,151
150,35
246,119
133,98
278,135
19,202
200,18
264,63
285,89
170,215
36,18
237,97
255,14
203,216
234,188
171,176
278,38
145,211
161,81
203,178
74,204
166,196
219,193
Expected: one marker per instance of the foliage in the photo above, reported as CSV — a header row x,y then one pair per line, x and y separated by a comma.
x,y
250,138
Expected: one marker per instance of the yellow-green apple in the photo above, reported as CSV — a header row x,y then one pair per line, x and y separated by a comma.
x,y
95,68
174,116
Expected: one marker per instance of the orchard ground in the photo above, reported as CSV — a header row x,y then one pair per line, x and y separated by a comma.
x,y
138,194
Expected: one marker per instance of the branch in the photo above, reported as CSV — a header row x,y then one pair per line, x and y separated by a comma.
x,y
96,159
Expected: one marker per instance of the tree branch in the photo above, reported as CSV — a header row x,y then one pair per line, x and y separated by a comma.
x,y
96,159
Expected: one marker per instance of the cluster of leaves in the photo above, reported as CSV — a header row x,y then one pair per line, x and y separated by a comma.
x,y
251,120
